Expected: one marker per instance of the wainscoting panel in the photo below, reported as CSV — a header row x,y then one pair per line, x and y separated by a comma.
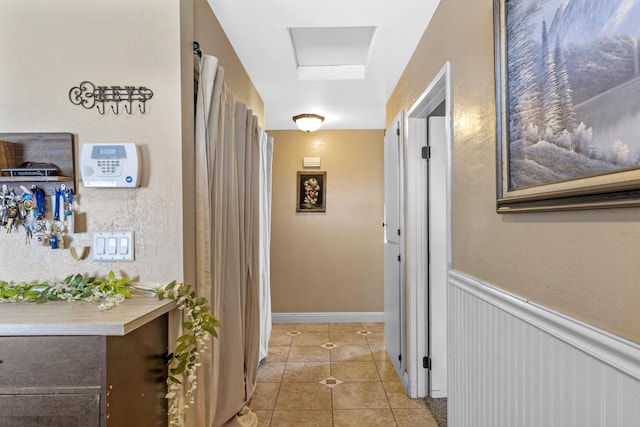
x,y
513,363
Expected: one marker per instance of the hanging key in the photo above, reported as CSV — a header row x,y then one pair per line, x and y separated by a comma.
x,y
12,213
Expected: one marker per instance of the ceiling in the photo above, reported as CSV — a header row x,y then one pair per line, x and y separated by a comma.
x,y
349,55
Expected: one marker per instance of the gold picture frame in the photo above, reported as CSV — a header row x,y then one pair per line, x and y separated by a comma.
x,y
565,110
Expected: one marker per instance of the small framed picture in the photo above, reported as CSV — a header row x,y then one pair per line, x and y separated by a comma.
x,y
311,191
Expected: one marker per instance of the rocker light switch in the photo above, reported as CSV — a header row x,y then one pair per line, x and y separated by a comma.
x,y
113,246
123,247
99,246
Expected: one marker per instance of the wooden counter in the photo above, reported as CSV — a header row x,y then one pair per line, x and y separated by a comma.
x,y
72,364
80,317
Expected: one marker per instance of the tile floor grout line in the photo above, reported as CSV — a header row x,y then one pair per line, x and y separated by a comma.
x,y
378,364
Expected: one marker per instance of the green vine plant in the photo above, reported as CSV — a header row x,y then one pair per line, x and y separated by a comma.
x,y
198,323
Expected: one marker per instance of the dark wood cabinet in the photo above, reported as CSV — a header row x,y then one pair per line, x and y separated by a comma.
x,y
50,410
102,381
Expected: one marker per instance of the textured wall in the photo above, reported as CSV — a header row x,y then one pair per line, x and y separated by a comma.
x,y
49,47
333,261
584,264
213,41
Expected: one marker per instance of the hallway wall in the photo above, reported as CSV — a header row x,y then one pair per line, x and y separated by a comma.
x,y
333,261
50,47
582,263
213,41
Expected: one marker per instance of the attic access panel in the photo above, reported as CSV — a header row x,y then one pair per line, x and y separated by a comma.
x,y
332,52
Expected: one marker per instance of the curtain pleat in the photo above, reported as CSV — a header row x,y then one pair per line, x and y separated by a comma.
x,y
252,241
206,131
264,245
230,249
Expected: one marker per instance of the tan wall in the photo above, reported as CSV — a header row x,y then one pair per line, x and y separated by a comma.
x,y
584,264
49,47
213,41
187,69
333,261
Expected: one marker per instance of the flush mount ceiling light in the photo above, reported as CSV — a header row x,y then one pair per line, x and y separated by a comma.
x,y
308,122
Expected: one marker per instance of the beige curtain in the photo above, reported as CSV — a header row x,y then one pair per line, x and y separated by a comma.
x,y
228,249
266,159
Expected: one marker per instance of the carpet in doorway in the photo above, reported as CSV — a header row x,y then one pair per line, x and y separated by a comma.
x,y
438,408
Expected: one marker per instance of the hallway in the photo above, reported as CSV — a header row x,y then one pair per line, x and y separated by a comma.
x,y
333,375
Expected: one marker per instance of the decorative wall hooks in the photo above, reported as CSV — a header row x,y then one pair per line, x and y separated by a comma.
x,y
89,95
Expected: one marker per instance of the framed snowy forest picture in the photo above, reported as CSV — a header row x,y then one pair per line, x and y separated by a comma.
x,y
568,104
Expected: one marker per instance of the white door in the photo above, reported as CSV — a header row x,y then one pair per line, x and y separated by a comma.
x,y
394,320
437,234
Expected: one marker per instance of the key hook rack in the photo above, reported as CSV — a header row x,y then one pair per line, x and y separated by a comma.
x,y
89,95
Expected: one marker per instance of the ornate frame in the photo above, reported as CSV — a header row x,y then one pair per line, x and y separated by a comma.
x,y
619,187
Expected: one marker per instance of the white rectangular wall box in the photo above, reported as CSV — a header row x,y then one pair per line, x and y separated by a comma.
x,y
311,162
112,165
113,246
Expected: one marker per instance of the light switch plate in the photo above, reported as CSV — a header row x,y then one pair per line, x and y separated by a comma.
x,y
113,246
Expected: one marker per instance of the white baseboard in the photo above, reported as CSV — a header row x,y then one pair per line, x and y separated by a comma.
x,y
327,317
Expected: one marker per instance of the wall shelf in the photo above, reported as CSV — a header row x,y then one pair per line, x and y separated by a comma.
x,y
54,148
57,178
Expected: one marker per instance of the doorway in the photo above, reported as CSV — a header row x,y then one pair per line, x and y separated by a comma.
x,y
428,236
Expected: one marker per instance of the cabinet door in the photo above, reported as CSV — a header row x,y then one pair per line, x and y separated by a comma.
x,y
50,361
136,375
50,410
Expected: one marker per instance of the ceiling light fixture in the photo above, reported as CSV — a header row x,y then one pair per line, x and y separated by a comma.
x,y
308,122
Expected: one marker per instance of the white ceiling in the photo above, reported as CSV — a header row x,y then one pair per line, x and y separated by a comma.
x,y
259,31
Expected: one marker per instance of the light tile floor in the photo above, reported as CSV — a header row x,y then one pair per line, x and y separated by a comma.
x,y
333,375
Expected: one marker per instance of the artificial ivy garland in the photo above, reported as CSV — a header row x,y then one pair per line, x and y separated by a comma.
x,y
198,323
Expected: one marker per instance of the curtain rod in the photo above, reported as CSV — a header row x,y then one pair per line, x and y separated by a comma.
x,y
196,49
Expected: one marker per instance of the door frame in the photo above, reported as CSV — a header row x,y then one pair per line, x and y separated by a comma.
x,y
425,315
